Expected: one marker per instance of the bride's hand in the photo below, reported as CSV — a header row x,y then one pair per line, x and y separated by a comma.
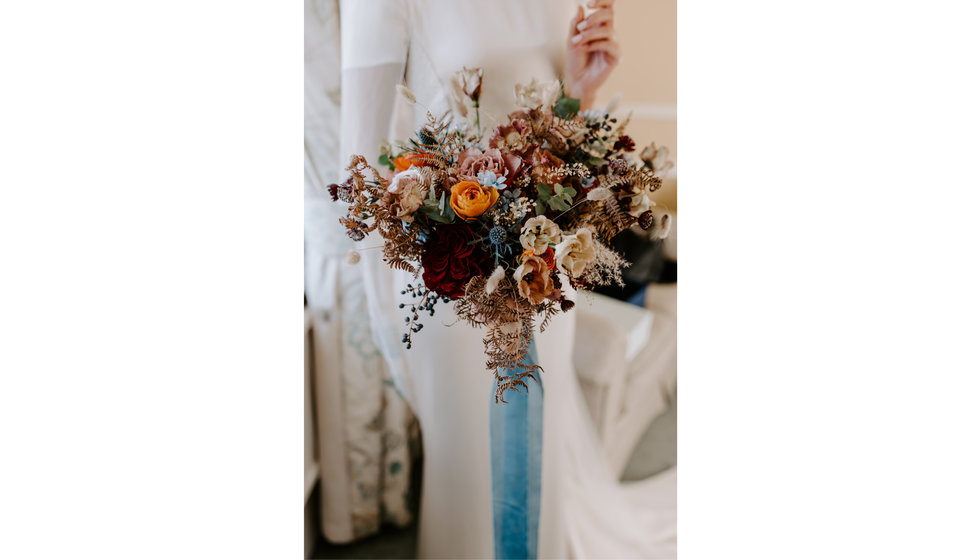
x,y
592,52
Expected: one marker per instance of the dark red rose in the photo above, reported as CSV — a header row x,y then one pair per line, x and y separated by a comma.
x,y
449,260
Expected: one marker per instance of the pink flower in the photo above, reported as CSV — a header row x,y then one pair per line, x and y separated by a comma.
x,y
472,162
513,136
404,194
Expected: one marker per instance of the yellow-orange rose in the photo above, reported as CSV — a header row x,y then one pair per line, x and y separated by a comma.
x,y
470,199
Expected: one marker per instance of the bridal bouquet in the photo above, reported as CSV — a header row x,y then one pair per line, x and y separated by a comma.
x,y
500,223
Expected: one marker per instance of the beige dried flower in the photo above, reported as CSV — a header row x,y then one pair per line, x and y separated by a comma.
x,y
538,233
657,159
406,93
470,82
600,193
536,94
575,252
534,280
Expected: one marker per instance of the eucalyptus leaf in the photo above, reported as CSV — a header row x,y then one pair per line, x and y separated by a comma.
x,y
383,160
567,107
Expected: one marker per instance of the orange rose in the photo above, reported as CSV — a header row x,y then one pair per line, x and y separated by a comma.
x,y
406,161
469,199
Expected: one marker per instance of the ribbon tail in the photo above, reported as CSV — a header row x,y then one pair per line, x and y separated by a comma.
x,y
515,466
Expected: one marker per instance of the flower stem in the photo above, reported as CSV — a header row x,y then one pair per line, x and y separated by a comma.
x,y
479,131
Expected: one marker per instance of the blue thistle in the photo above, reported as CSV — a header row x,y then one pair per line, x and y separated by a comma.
x,y
497,235
489,179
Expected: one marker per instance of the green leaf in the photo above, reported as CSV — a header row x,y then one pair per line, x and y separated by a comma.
x,y
383,160
567,107
436,215
559,204
544,191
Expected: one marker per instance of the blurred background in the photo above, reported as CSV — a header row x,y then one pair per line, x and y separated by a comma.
x,y
363,455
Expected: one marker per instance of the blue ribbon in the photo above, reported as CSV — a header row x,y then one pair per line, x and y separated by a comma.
x,y
515,467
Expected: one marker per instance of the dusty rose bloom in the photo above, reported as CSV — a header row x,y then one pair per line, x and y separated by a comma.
x,y
472,161
541,161
534,280
514,136
405,194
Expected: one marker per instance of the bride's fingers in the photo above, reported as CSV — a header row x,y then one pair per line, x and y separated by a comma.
x,y
600,3
600,17
576,20
594,34
607,46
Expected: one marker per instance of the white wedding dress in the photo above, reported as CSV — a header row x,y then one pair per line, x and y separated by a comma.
x,y
585,511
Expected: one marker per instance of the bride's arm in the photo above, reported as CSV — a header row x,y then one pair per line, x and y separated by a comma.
x,y
374,41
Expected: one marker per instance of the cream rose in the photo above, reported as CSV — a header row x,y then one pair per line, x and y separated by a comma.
x,y
538,233
575,252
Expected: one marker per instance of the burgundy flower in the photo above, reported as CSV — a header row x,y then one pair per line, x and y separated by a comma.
x,y
449,260
624,143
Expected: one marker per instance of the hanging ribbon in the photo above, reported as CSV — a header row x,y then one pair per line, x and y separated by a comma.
x,y
515,466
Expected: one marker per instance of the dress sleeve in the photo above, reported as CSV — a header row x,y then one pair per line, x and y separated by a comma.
x,y
374,43
374,48
373,32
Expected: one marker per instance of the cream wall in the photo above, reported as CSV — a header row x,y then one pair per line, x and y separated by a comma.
x,y
647,76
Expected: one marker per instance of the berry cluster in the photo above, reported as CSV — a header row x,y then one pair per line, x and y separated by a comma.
x,y
427,302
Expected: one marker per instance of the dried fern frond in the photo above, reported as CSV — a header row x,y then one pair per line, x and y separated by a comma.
x,y
509,322
437,143
607,218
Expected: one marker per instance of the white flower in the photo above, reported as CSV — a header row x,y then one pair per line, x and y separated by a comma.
x,y
402,178
536,95
538,233
495,279
352,257
408,188
656,159
640,202
600,193
575,252
661,227
470,82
